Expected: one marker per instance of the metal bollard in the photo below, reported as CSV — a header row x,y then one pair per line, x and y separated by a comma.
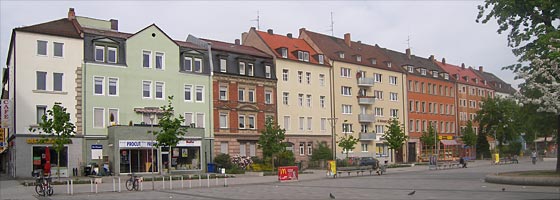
x,y
208,179
71,187
119,184
114,185
225,180
142,185
199,180
67,186
91,185
182,184
190,181
163,181
171,182
95,187
216,180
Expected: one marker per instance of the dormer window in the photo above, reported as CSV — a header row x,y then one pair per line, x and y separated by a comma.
x,y
446,76
374,61
423,72
389,64
321,59
359,58
484,81
435,73
341,54
303,56
410,69
476,81
500,85
284,52
466,78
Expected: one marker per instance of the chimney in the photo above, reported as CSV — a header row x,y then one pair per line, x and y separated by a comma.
x,y
408,53
244,35
237,42
463,65
432,58
289,35
443,61
114,24
480,68
269,31
71,14
347,39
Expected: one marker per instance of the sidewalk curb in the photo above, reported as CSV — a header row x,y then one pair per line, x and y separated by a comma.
x,y
533,181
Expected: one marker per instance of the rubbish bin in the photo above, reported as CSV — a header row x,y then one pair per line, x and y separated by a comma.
x,y
87,171
211,167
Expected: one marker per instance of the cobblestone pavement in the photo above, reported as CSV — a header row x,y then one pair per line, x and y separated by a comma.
x,y
465,183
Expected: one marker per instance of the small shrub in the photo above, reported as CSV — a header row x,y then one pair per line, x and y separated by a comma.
x,y
235,170
223,161
241,162
286,158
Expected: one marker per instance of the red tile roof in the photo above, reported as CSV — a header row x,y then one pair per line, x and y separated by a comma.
x,y
292,44
248,50
62,27
462,73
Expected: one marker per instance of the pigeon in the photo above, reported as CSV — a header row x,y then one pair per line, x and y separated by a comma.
x,y
332,196
412,193
503,189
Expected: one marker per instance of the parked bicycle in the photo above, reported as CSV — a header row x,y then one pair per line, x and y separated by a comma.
x,y
133,182
43,185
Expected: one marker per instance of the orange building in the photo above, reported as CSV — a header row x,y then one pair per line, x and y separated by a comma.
x,y
431,101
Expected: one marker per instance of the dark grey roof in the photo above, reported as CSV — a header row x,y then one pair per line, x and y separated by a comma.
x,y
402,59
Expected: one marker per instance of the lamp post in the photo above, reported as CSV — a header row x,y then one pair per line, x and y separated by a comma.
x,y
152,117
333,126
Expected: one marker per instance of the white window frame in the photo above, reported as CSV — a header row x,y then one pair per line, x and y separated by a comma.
x,y
268,97
251,96
242,68
301,123
158,54
322,101
109,49
189,88
394,113
345,72
201,87
223,65
377,78
346,91
393,96
254,119
149,53
250,69
300,76
225,117
285,74
162,84
346,109
393,80
378,112
61,82
241,122
379,129
267,71
287,122
241,94
109,86
309,123
308,77
150,88
321,59
116,118
203,123
98,47
189,60
302,148
322,79
308,100
201,65
224,89
102,80
323,124
102,115
54,50
46,48
300,100
285,98
284,52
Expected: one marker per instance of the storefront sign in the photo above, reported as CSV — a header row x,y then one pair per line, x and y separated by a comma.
x,y
96,151
3,144
43,141
189,143
5,116
288,173
136,143
445,137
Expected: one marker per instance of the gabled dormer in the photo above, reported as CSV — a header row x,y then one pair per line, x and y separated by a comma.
x,y
446,76
410,69
358,58
340,54
435,73
283,51
423,71
388,64
107,50
466,78
302,55
320,58
373,61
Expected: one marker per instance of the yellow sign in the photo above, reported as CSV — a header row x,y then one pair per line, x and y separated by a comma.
x,y
42,141
496,158
445,137
331,168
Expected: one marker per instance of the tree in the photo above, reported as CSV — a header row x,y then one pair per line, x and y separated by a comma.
x,y
271,140
482,146
395,136
469,137
171,130
500,118
347,143
322,152
428,138
56,124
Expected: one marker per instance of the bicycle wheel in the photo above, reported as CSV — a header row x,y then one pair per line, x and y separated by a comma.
x,y
50,191
39,190
129,185
136,184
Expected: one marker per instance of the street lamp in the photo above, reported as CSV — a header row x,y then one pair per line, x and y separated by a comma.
x,y
333,127
152,117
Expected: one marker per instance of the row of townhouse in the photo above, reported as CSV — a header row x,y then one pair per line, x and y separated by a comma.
x,y
317,87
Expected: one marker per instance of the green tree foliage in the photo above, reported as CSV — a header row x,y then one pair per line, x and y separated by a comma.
x,y
171,130
322,152
223,160
500,119
469,137
58,129
286,158
427,137
395,136
271,139
347,143
482,146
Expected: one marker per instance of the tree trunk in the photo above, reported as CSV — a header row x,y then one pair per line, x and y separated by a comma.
x,y
169,161
58,165
558,146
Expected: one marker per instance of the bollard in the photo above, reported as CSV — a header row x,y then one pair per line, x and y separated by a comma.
x,y
208,179
142,185
171,182
182,184
216,180
91,185
67,186
163,181
190,181
95,187
119,184
114,185
71,187
199,180
225,180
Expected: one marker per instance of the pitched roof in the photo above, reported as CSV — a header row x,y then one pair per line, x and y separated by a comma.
x,y
230,47
62,27
496,83
402,59
332,46
108,33
274,42
463,73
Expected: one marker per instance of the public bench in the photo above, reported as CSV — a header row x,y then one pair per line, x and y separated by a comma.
x,y
448,165
356,169
508,161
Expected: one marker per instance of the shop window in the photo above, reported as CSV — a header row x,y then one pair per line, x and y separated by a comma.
x,y
185,158
138,160
39,156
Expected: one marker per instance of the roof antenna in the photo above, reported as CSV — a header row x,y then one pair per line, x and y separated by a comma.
x,y
408,41
332,25
258,21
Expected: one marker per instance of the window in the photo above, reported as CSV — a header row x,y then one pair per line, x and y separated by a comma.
x,y
242,149
41,47
377,78
198,65
146,59
359,58
364,147
379,129
250,69
422,87
223,120
306,56
410,86
188,64
393,80
321,59
284,52
189,120
252,122
267,72
346,128
323,124
100,53
241,94
411,106
446,76
113,116
393,96
111,55
285,75
223,92
224,147
41,110
98,117
310,148
411,125
200,120
346,91
346,109
379,112
301,123
223,65
41,80
410,69
287,123
98,85
322,101
321,79
341,54
308,77
300,99
58,49
241,121
268,97
57,81
252,149
424,107
309,124
199,93
302,148
378,94
418,125
430,107
345,72
113,86
252,95
160,90
300,76
308,100
242,68
394,113
423,72
389,64
188,92
364,128
147,89
160,60
285,96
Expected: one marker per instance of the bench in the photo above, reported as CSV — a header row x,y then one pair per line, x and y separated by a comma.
x,y
357,169
448,165
507,161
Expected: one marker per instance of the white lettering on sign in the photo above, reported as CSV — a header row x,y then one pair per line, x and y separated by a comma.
x,y
6,115
189,143
136,143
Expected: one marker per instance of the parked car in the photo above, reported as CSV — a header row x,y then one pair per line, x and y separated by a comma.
x,y
369,161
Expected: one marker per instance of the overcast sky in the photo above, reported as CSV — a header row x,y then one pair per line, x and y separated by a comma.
x,y
446,29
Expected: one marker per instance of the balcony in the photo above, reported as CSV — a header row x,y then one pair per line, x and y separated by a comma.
x,y
365,82
367,100
367,136
366,118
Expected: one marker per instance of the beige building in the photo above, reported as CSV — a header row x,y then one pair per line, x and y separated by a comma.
x,y
303,91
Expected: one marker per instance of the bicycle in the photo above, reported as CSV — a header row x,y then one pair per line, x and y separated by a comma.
x,y
133,182
43,186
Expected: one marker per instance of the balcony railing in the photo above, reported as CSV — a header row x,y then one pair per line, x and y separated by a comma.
x,y
369,100
366,118
366,82
367,136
